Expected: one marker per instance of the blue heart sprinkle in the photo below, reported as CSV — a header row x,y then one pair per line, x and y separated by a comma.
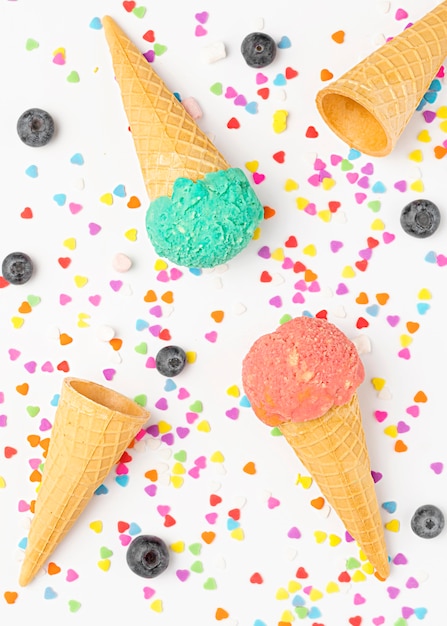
x,y
77,159
378,187
134,529
96,23
196,271
55,399
284,43
373,310
280,80
141,324
31,171
390,506
421,105
435,85
120,191
258,622
430,257
354,154
60,199
23,543
422,307
170,385
244,401
232,523
251,107
101,490
420,612
314,612
49,593
122,480
298,600
431,96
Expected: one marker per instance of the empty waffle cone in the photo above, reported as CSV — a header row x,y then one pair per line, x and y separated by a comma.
x,y
333,450
371,104
168,142
92,428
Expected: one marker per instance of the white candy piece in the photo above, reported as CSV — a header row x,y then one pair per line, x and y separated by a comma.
x,y
105,333
193,108
213,52
121,262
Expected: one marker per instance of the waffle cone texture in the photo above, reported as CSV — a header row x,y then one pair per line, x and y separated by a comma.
x,y
92,428
168,142
371,104
333,450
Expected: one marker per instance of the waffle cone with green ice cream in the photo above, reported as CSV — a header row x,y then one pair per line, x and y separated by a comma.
x,y
370,105
303,379
202,212
92,428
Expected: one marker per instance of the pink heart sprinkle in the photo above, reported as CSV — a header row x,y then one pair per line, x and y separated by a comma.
x,y
211,518
380,415
23,506
191,417
162,404
412,583
163,276
407,612
182,574
240,100
336,159
175,273
125,540
202,17
71,575
155,330
156,311
182,393
363,182
151,490
365,254
360,197
310,209
359,599
122,469
378,621
258,178
368,169
294,533
272,502
163,509
45,425
13,354
298,298
30,366
261,78
314,180
441,72
116,284
393,320
233,413
182,432
441,260
200,462
64,299
341,289
75,207
109,373
276,301
404,354
194,472
388,237
151,362
47,367
288,263
95,300
393,592
314,286
413,410
148,592
211,337
400,559
34,463
429,116
94,229
437,467
200,31
319,164
400,185
402,427
336,245
59,59
401,14
230,92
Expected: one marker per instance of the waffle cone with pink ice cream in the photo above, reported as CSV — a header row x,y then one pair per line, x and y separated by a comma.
x,y
303,379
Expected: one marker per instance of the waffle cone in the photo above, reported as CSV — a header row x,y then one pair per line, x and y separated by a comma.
x,y
168,142
371,104
333,450
92,428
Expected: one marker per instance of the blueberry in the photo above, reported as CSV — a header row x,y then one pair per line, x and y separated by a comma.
x,y
147,556
17,268
258,49
35,127
170,360
420,218
427,521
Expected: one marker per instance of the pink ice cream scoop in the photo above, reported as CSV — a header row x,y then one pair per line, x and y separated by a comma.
x,y
298,372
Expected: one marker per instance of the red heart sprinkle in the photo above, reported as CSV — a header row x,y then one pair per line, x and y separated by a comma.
x,y
63,366
291,242
123,526
256,578
125,458
149,36
355,621
64,261
279,156
334,206
301,573
344,577
10,452
362,323
3,282
165,334
299,267
321,314
372,243
233,123
215,499
264,92
169,521
265,277
27,213
235,514
290,73
311,132
129,5
361,265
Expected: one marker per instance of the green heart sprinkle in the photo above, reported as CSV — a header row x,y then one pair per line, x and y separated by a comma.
x,y
197,567
210,583
285,318
352,563
31,44
374,205
141,348
33,300
301,611
196,407
74,606
346,165
33,410
195,548
73,77
217,89
139,11
141,399
180,456
159,49
275,432
105,552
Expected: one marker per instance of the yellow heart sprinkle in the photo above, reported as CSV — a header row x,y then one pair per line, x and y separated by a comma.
x,y
164,427
405,340
177,481
327,183
252,166
320,536
131,234
358,576
60,51
217,457
424,136
332,587
257,233
160,265
368,568
204,426
157,606
178,546
301,203
442,112
237,533
418,185
391,431
294,586
278,254
348,272
2,482
393,525
80,281
290,185
178,468
377,225
282,594
287,617
325,215
70,243
334,540
96,526
424,294
315,594
107,198
378,383
443,126
280,121
416,156
234,391
104,564
310,250
17,322
304,481
191,357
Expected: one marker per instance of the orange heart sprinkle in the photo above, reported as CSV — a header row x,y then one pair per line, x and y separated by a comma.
x,y
399,446
382,298
134,202
269,212
412,327
326,74
10,596
32,506
362,298
44,443
116,343
152,475
150,296
35,476
25,307
309,276
338,36
168,297
249,468
53,568
65,339
208,536
23,389
217,316
440,151
33,440
420,397
221,613
317,503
